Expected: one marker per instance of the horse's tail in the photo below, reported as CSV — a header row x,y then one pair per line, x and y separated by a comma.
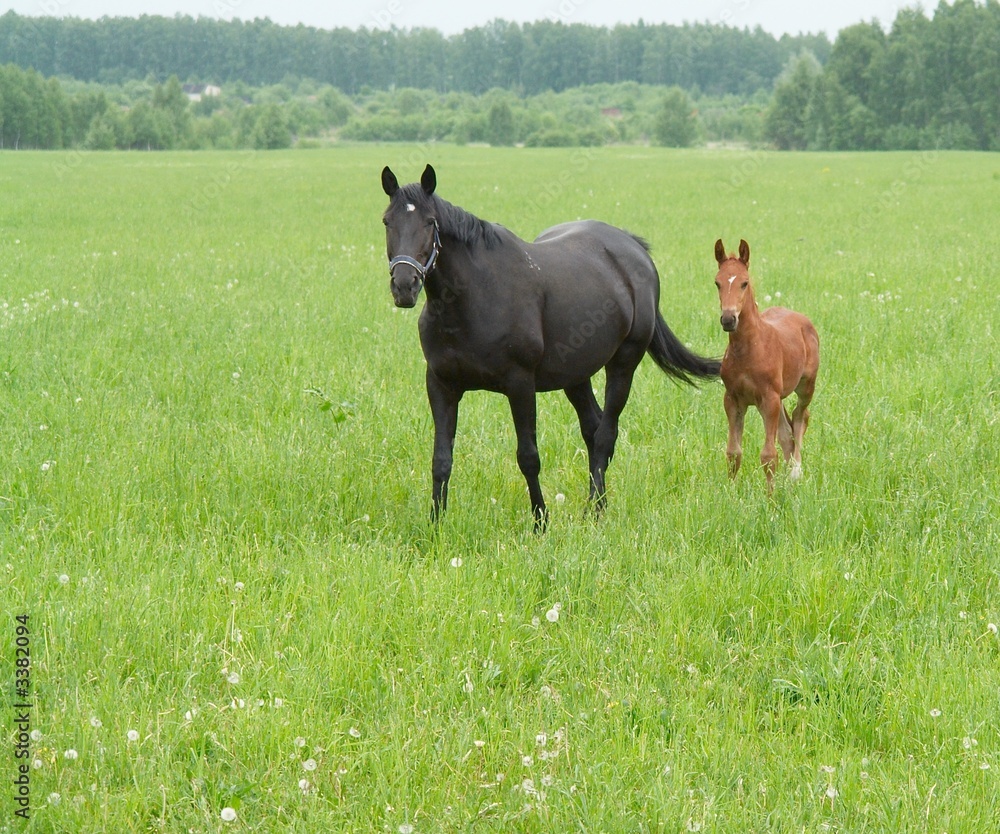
x,y
673,358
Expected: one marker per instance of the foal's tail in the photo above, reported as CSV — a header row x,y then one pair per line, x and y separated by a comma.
x,y
673,358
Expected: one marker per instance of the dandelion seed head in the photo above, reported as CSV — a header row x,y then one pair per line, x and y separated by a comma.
x,y
54,798
935,713
233,678
228,814
96,723
354,732
552,615
991,628
35,735
63,579
456,562
132,735
309,765
300,742
405,828
70,754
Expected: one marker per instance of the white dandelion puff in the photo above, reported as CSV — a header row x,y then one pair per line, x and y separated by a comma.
x,y
132,735
309,765
70,754
228,814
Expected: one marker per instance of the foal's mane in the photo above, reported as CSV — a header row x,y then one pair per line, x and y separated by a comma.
x,y
453,221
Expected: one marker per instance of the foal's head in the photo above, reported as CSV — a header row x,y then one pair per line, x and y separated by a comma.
x,y
412,240
733,281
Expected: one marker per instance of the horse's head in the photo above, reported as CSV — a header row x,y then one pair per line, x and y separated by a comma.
x,y
733,282
412,240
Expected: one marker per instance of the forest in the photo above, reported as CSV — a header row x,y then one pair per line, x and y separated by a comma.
x,y
929,81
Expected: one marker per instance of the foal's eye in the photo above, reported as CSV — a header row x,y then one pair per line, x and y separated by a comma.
x,y
744,285
385,221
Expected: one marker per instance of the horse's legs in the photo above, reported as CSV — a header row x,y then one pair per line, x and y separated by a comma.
x,y
771,410
583,400
522,409
444,408
619,372
734,448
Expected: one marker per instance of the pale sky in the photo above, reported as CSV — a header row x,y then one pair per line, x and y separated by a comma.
x,y
452,16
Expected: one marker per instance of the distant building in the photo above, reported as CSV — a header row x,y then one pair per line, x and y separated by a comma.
x,y
195,92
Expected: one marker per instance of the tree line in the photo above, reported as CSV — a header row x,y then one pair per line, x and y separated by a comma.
x,y
530,58
929,82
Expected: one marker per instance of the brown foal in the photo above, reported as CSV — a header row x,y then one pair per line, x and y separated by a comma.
x,y
770,355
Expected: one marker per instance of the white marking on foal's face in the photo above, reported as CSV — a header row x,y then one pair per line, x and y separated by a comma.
x,y
731,279
410,207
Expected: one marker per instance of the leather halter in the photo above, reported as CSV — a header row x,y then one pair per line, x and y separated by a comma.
x,y
423,269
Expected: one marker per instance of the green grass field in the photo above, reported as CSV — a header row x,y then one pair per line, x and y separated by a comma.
x,y
215,488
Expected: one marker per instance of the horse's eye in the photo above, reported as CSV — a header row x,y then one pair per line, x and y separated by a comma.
x,y
385,221
744,285
718,286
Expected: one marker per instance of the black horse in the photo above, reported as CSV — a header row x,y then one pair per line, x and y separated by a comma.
x,y
517,318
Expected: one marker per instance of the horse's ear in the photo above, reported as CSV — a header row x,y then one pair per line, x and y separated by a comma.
x,y
720,251
390,185
745,252
428,180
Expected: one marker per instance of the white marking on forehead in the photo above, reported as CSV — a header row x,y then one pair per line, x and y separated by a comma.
x,y
410,207
731,279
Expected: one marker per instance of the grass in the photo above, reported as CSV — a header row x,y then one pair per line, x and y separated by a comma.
x,y
215,493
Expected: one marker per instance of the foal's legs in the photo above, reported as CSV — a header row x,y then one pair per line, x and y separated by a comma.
x,y
734,448
583,400
523,410
444,408
786,438
800,420
772,411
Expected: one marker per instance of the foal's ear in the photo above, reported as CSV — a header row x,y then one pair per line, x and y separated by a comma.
x,y
720,251
745,252
390,185
428,180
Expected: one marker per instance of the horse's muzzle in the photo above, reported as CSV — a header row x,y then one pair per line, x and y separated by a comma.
x,y
729,321
405,293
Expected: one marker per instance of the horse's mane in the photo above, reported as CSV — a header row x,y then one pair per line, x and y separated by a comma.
x,y
452,220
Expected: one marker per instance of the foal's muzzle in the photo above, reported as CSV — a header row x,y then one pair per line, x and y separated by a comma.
x,y
729,320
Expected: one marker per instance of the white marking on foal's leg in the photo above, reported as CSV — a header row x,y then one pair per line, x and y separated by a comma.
x,y
796,472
